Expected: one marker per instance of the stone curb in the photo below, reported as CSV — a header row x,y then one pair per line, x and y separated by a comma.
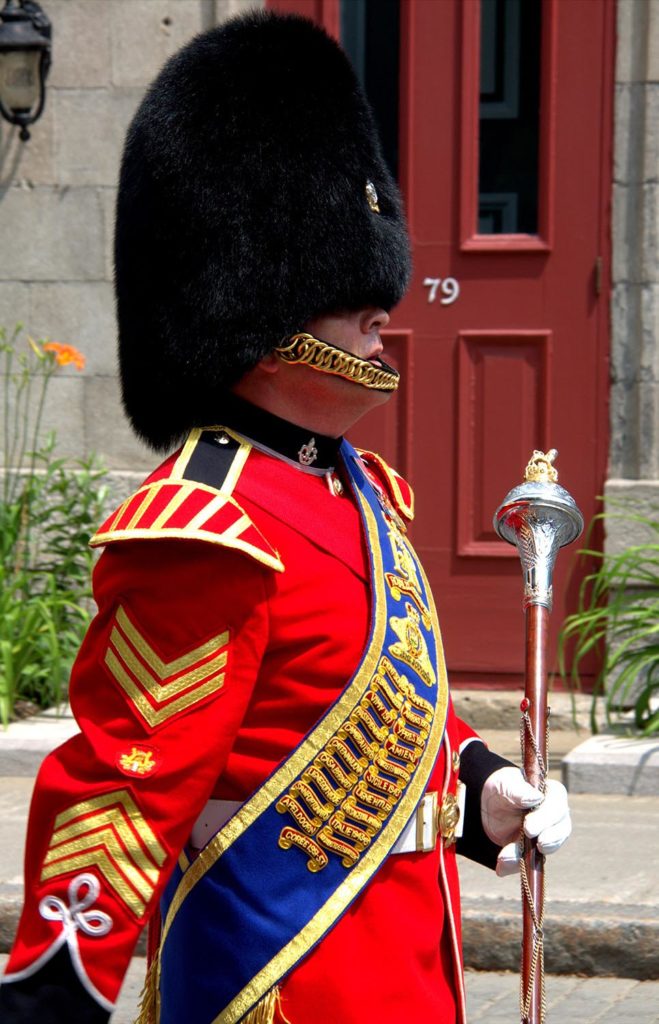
x,y
24,744
499,709
613,764
596,939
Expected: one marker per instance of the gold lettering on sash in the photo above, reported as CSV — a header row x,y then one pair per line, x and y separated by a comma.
x,y
401,752
317,857
416,700
379,804
336,771
344,797
407,735
373,778
307,824
403,696
340,748
371,823
350,831
351,731
388,715
391,768
349,854
316,775
305,792
378,732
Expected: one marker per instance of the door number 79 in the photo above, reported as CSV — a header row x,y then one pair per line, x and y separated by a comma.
x,y
448,286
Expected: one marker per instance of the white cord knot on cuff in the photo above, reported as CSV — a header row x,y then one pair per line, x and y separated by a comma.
x,y
77,916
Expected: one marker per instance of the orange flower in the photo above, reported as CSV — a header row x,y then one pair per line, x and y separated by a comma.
x,y
65,354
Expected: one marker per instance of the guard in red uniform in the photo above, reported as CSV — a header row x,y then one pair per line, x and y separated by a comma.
x,y
269,768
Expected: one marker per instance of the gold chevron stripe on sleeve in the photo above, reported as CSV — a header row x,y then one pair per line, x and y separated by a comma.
x,y
108,832
100,860
163,691
160,689
152,716
104,820
132,811
167,668
106,840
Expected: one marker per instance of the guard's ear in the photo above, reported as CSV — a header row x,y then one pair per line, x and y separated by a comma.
x,y
269,363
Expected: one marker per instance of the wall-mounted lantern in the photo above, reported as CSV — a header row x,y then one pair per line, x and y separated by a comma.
x,y
25,34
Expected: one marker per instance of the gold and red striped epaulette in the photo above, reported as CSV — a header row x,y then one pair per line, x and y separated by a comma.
x,y
190,498
398,490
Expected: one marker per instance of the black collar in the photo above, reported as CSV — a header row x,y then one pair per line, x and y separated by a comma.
x,y
300,445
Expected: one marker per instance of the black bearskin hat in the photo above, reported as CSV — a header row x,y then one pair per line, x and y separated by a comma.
x,y
243,212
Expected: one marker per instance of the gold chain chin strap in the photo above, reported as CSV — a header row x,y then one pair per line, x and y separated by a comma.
x,y
538,955
304,348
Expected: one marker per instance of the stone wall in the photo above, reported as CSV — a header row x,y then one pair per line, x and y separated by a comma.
x,y
57,196
634,454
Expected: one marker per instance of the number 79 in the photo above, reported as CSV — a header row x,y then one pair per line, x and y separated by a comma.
x,y
448,286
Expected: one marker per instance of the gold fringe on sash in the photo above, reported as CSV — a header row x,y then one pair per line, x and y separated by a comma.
x,y
263,1013
149,998
265,1010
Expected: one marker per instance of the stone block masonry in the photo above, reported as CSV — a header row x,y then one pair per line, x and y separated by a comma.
x,y
635,299
58,194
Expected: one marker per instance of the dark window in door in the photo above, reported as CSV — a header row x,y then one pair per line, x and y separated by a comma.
x,y
370,35
509,117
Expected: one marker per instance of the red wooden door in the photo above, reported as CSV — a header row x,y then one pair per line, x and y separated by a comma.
x,y
502,339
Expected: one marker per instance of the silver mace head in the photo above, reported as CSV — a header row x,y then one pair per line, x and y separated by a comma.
x,y
539,517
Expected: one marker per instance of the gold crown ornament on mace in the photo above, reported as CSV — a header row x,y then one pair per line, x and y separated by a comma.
x,y
539,517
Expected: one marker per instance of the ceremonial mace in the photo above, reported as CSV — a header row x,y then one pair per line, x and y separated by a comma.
x,y
539,517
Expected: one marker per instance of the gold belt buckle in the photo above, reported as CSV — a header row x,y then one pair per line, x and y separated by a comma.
x,y
448,818
433,820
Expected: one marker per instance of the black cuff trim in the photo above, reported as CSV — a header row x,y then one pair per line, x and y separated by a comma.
x,y
477,763
52,995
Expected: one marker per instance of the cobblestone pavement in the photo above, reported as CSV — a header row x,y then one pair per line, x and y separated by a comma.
x,y
570,1000
494,998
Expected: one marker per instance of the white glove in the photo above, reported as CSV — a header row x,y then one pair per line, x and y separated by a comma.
x,y
507,799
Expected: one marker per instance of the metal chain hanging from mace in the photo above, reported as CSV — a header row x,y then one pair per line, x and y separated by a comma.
x,y
537,964
539,517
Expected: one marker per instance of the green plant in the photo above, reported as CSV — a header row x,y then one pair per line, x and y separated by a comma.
x,y
48,509
618,618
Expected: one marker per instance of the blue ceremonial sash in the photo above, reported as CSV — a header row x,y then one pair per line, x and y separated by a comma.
x,y
281,872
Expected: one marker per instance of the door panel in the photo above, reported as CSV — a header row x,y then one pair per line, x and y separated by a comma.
x,y
502,339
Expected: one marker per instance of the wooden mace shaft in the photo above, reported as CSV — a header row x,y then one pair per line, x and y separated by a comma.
x,y
537,629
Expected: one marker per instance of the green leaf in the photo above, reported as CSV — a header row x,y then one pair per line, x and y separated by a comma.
x,y
618,615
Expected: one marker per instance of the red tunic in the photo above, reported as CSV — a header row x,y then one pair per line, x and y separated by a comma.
x,y
217,645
